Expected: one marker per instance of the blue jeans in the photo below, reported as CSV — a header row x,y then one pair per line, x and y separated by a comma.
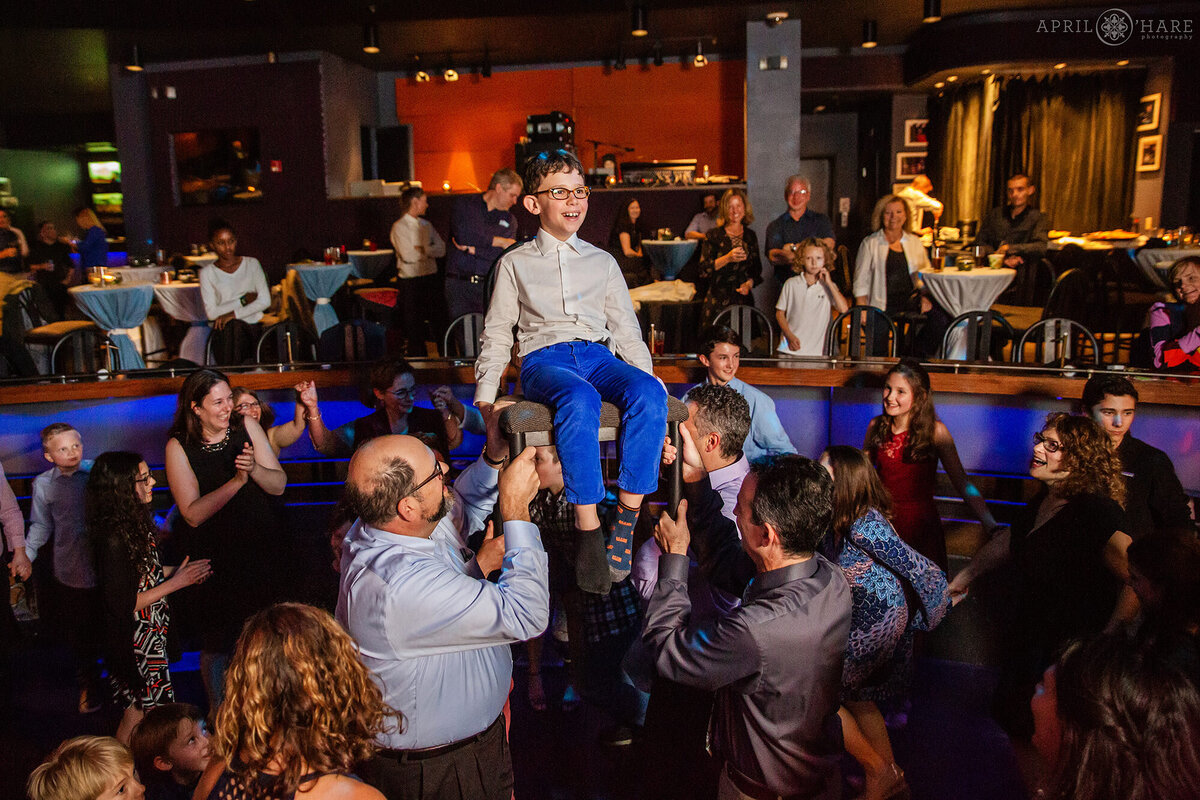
x,y
572,378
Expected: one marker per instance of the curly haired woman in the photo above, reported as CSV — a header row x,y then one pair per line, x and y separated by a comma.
x,y
133,583
300,712
1069,554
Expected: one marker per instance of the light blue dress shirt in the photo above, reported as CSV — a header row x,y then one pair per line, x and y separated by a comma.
x,y
435,637
57,513
767,436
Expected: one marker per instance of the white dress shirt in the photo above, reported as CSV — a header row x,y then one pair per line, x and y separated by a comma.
x,y
919,201
416,244
435,637
222,291
555,292
807,311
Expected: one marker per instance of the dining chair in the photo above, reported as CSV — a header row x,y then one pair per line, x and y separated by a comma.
x,y
751,325
979,329
861,332
1056,341
461,339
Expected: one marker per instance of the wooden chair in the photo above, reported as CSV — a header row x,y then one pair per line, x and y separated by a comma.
x,y
858,332
743,320
530,424
846,281
1056,341
979,328
461,339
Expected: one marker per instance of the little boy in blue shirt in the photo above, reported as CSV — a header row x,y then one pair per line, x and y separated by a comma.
x,y
56,516
579,343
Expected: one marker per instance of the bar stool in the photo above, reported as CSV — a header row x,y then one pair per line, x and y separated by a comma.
x,y
529,424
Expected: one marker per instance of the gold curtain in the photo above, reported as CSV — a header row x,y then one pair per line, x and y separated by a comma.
x,y
961,123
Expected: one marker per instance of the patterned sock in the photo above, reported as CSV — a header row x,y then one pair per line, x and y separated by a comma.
x,y
620,544
591,573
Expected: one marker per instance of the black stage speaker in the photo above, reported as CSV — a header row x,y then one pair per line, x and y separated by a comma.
x,y
387,153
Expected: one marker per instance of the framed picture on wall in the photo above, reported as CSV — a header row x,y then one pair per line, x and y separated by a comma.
x,y
914,132
909,165
1148,112
1149,153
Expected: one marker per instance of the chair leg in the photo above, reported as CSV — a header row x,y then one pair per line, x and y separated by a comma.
x,y
675,478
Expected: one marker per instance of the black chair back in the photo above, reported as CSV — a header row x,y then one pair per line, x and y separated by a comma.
x,y
751,325
353,340
286,342
461,339
979,330
1058,341
865,332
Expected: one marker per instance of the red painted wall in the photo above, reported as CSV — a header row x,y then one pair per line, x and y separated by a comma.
x,y
464,131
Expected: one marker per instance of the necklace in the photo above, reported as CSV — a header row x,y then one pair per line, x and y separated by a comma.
x,y
216,447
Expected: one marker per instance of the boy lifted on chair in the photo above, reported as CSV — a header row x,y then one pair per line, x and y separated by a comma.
x,y
579,342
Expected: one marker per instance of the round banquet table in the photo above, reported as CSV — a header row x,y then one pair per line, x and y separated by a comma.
x,y
669,256
119,310
958,292
370,263
182,301
320,281
196,262
1156,262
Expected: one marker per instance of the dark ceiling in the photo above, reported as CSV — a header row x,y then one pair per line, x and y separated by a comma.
x,y
54,54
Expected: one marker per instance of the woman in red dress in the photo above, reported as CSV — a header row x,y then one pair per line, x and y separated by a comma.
x,y
905,443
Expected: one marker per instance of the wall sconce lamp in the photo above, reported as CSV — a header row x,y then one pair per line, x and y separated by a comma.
x,y
637,25
135,60
870,34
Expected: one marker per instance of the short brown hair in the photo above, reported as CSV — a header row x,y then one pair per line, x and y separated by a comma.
x,y
79,769
54,429
505,177
549,162
153,736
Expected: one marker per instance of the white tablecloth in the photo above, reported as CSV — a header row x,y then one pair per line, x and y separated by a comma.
x,y
959,292
182,301
138,274
1156,261
196,262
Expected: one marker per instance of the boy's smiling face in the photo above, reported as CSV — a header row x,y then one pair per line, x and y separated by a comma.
x,y
559,218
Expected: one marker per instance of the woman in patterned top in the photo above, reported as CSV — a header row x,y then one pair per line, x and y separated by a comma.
x,y
133,583
729,258
879,653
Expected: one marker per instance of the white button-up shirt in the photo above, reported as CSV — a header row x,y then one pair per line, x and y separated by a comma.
x,y
554,292
435,637
416,244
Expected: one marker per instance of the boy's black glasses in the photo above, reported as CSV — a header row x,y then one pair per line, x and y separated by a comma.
x,y
561,192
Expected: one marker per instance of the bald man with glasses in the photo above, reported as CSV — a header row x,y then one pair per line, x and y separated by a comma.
x,y
431,628
793,226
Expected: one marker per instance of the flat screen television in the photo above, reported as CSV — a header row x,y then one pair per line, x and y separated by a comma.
x,y
217,167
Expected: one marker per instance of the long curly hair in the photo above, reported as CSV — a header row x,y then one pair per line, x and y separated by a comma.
x,y
111,508
1129,724
922,420
1088,456
856,490
298,700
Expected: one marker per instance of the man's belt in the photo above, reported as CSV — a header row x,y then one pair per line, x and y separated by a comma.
x,y
468,278
423,753
752,788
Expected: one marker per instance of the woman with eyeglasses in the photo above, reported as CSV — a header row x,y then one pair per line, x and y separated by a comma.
x,y
394,390
1068,552
285,434
225,477
133,583
730,261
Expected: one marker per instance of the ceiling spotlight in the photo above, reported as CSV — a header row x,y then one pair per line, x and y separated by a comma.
x,y
135,60
933,11
951,78
371,38
1060,65
637,25
870,34
699,59
775,17
658,56
1124,62
940,85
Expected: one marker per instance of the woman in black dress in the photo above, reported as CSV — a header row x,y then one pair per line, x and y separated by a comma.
x,y
625,243
223,475
1069,555
729,257
133,583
